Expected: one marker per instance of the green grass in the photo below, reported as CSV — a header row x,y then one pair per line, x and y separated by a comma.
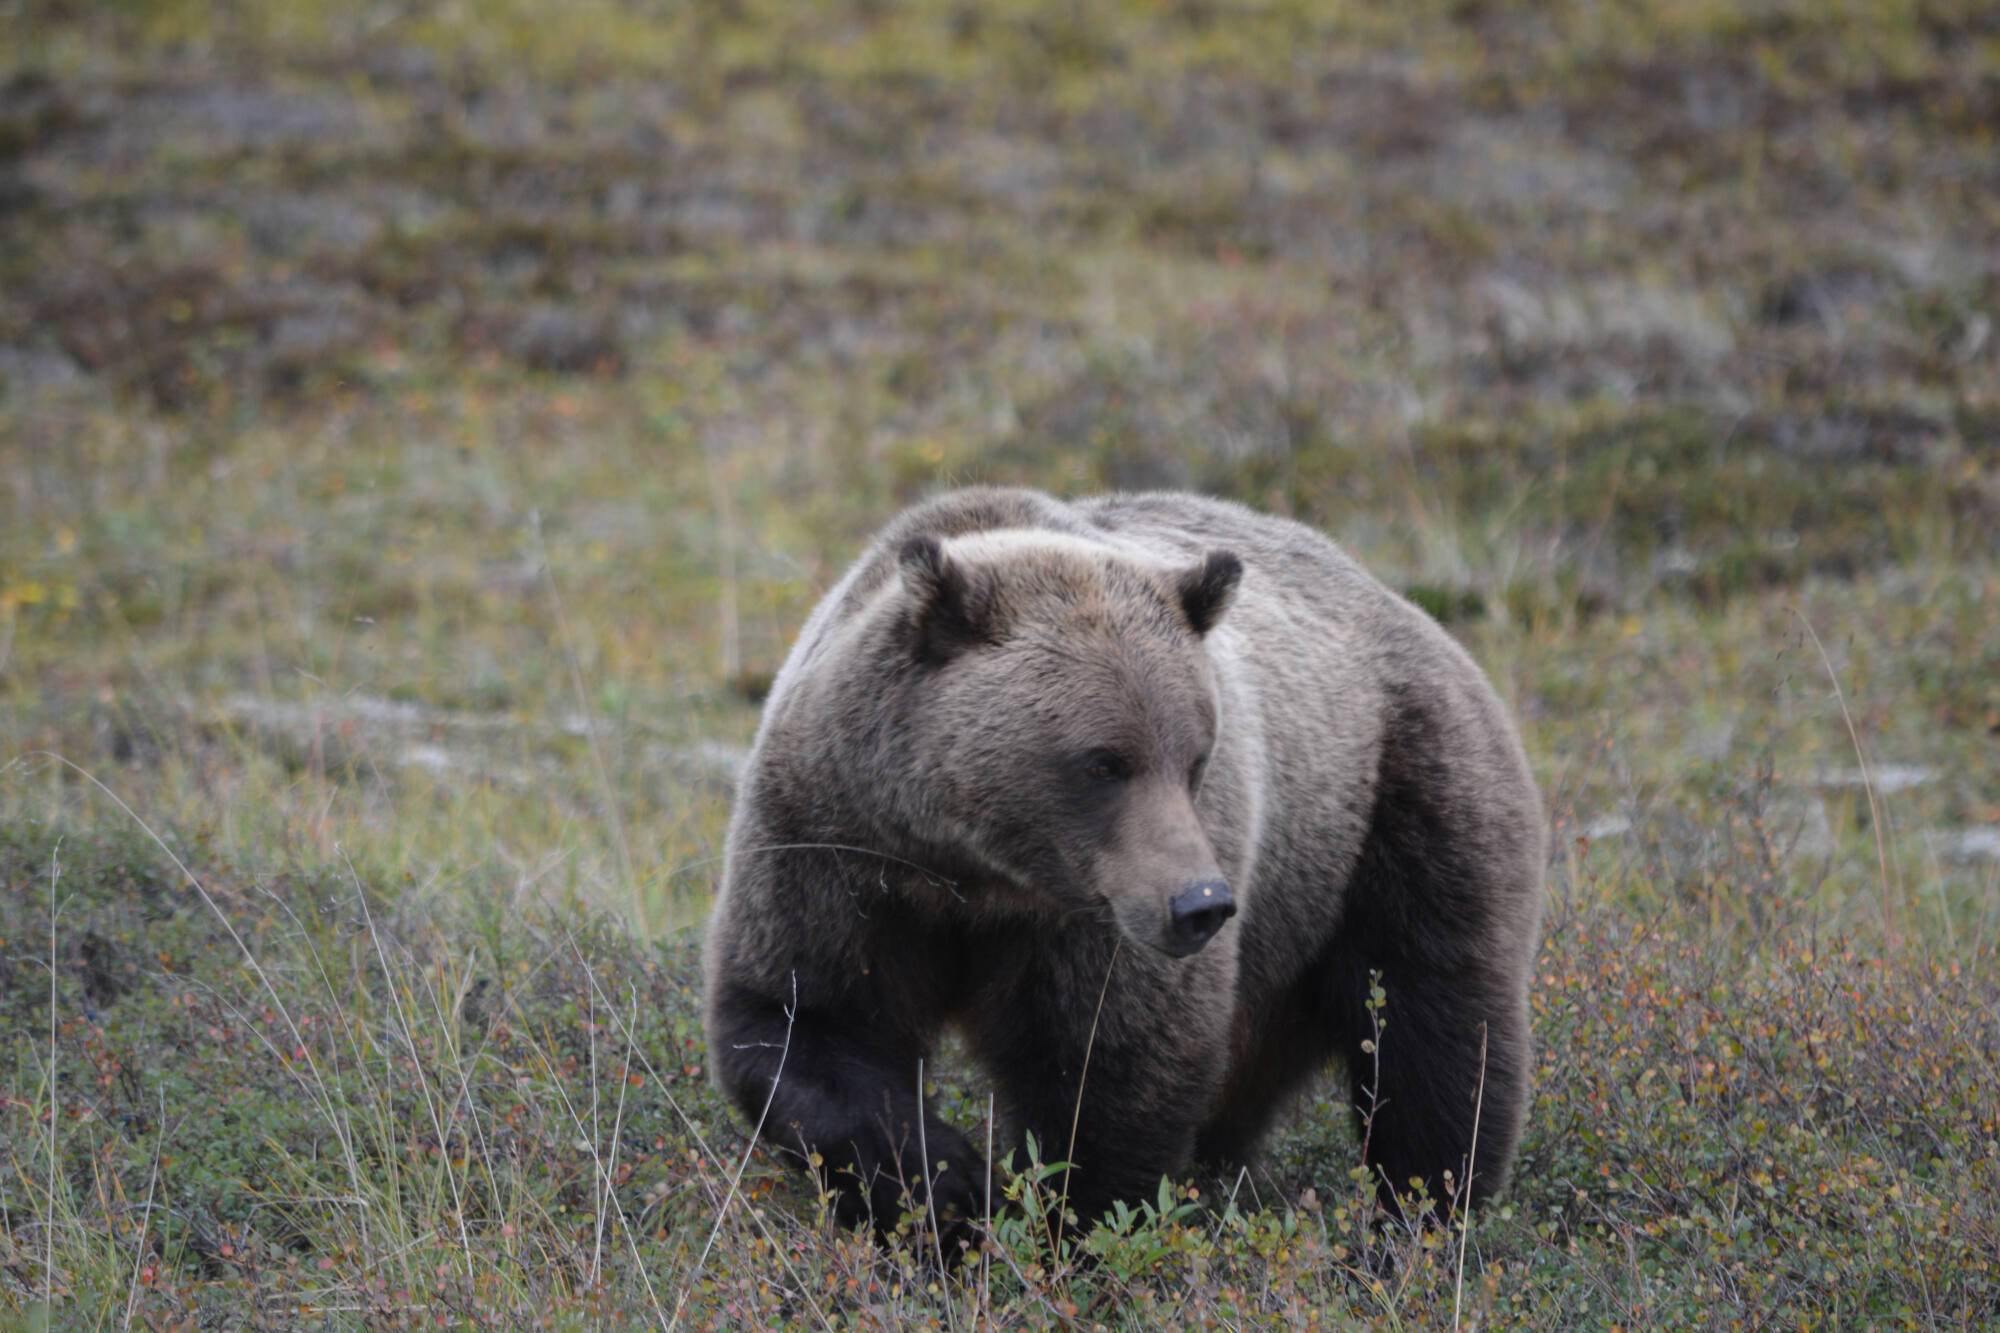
x,y
422,431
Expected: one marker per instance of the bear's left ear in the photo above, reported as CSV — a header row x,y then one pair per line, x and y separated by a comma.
x,y
953,609
1207,589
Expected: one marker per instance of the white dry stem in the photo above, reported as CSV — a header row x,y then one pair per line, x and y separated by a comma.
x,y
731,658
1867,780
430,1097
985,1259
1082,1078
1471,1158
930,1192
694,1132
447,1021
146,1213
610,797
605,1186
55,1106
585,1134
316,1084
687,1287
598,1181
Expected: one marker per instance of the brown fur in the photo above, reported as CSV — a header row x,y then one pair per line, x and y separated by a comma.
x,y
1013,745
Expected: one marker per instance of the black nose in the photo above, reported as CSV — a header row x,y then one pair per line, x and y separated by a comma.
x,y
1198,913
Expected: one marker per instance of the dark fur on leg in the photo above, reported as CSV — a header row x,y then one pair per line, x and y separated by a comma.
x,y
848,1098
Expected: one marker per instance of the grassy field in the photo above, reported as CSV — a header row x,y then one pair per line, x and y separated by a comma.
x,y
423,427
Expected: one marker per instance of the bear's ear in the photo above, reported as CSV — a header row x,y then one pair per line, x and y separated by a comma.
x,y
1207,589
953,610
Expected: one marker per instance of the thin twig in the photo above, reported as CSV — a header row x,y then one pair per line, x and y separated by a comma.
x,y
611,807
598,1180
431,1099
55,1108
819,846
1867,780
930,1191
986,1259
610,1169
731,653
146,1212
722,1213
448,1017
1471,1158
617,1132
634,1048
1083,1077
214,908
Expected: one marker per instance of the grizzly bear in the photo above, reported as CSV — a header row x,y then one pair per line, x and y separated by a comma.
x,y
1140,794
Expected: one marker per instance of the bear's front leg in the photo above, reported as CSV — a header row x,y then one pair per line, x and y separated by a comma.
x,y
1109,1054
828,1084
1440,1087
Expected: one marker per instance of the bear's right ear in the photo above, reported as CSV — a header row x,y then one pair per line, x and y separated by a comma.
x,y
952,611
1208,588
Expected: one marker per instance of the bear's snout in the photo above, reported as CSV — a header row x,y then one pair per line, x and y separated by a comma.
x,y
1197,914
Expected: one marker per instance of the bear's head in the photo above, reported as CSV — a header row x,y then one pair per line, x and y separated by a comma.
x,y
1063,711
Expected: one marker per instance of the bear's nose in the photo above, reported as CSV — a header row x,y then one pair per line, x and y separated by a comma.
x,y
1197,914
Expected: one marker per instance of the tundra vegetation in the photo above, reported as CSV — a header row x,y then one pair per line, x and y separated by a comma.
x,y
423,425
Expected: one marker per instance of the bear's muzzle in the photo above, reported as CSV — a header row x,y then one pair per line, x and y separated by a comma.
x,y
1197,914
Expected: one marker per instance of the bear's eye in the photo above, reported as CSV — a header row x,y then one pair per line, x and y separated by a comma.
x,y
1104,766
1195,770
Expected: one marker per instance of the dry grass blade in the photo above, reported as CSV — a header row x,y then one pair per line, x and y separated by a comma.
x,y
613,811
1878,827
432,1102
53,1095
736,1179
146,1214
1471,1162
930,1193
1083,1078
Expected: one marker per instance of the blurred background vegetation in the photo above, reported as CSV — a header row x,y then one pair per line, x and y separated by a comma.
x,y
423,427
